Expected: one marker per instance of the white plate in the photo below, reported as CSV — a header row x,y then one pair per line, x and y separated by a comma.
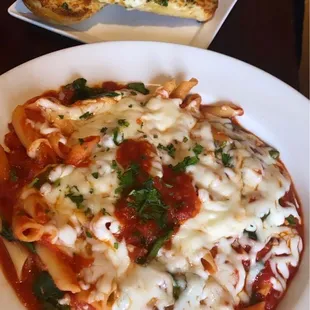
x,y
114,23
273,110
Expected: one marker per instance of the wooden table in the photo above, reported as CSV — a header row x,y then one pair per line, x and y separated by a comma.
x,y
259,32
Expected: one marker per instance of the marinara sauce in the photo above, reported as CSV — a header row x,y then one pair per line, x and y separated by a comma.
x,y
174,189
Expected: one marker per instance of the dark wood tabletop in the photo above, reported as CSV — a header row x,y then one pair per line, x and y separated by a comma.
x,y
263,33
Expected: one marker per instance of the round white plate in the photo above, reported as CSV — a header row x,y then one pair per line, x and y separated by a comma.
x,y
273,110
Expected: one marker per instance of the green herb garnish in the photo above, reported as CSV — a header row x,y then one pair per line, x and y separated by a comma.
x,y
158,244
198,149
13,175
88,234
117,136
251,234
86,115
170,149
139,87
81,141
104,130
147,202
265,216
185,139
75,198
82,91
34,182
274,154
61,116
95,175
105,212
187,161
115,245
123,122
226,160
291,220
127,179
47,292
65,6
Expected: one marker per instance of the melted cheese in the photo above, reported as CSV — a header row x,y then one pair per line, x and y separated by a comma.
x,y
233,199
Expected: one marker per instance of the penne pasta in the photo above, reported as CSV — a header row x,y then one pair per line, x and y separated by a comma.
x,y
62,274
81,152
4,166
26,229
184,88
222,109
37,208
209,263
219,135
57,142
125,195
192,104
18,254
25,132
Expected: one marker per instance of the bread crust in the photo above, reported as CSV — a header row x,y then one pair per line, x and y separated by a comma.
x,y
64,12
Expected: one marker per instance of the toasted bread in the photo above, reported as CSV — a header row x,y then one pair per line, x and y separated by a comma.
x,y
64,12
73,11
201,10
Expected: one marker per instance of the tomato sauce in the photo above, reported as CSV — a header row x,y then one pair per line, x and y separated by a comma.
x,y
176,192
23,289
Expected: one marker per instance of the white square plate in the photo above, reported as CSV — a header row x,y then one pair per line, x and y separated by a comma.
x,y
114,23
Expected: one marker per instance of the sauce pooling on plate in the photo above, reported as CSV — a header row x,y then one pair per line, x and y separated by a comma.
x,y
115,197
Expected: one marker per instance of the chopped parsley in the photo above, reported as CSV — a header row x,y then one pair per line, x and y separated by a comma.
x,y
158,244
81,91
274,154
6,232
155,136
117,137
130,106
291,220
187,161
226,160
81,141
88,234
104,130
139,87
185,139
115,245
251,234
105,212
162,2
61,116
56,183
133,93
65,6
86,115
76,198
95,175
34,182
46,291
147,202
13,175
127,179
198,149
265,216
170,149
176,291
123,122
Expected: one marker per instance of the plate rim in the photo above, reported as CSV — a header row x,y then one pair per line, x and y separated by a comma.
x,y
301,102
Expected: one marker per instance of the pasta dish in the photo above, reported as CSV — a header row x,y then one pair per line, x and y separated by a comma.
x,y
125,197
